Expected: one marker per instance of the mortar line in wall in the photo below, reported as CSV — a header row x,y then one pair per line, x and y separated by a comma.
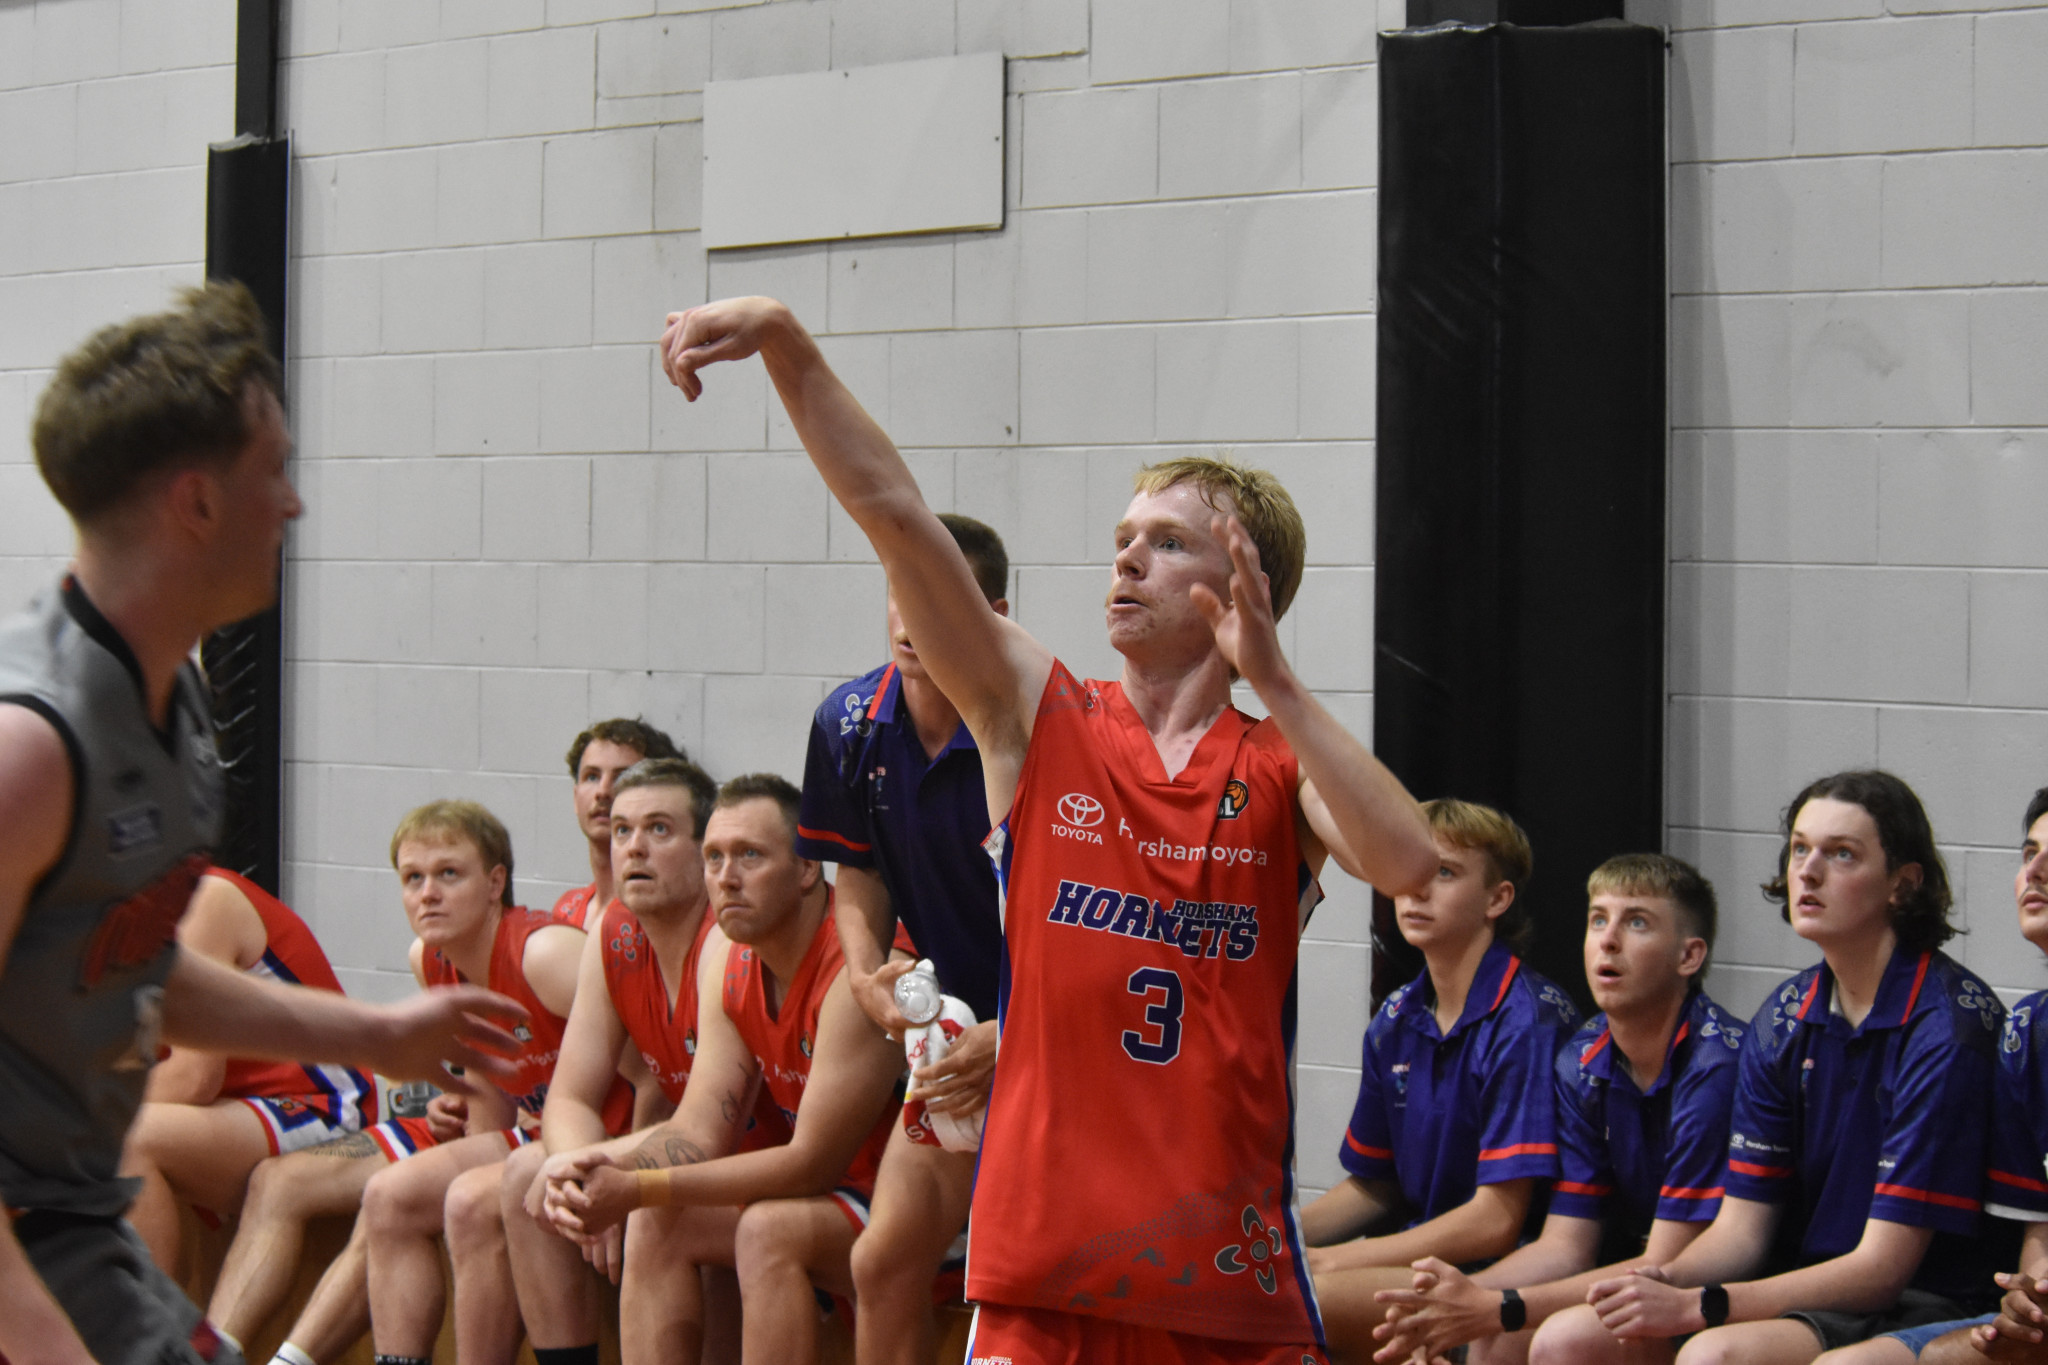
x,y
1860,564
1974,708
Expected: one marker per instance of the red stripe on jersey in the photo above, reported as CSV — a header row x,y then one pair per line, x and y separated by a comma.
x,y
1673,1192
1576,1187
1949,1201
1919,977
1594,1049
1506,979
2018,1181
1751,1168
875,705
1378,1153
1807,1004
1679,1036
1519,1149
827,836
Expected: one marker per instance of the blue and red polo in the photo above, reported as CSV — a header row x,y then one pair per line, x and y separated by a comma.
x,y
2015,1185
1444,1113
1883,1120
1634,1155
872,800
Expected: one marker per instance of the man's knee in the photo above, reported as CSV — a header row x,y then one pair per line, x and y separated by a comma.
x,y
1712,1347
1567,1338
892,1253
770,1233
516,1177
470,1211
397,1202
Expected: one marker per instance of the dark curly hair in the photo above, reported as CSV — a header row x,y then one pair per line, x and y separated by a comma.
x,y
633,734
1920,913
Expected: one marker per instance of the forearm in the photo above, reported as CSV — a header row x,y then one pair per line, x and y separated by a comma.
x,y
33,1329
570,1123
1860,1282
866,920
1379,822
1470,1232
213,1008
1350,1208
187,1076
784,1172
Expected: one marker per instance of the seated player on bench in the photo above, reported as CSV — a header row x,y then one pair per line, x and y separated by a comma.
x,y
207,1118
2015,1190
1643,1093
1455,1125
774,1008
1857,1143
637,988
454,865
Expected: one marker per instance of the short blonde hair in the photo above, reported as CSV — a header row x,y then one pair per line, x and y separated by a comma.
x,y
1269,515
446,821
1497,838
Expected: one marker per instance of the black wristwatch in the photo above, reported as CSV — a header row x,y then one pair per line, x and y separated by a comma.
x,y
1714,1305
1514,1314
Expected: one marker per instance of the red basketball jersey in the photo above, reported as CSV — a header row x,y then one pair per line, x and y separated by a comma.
x,y
573,907
343,1095
1138,1155
540,1036
783,1040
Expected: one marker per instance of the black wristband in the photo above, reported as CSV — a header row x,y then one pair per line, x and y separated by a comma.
x,y
1714,1305
1514,1314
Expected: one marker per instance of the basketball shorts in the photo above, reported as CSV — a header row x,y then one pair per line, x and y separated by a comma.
x,y
400,1138
291,1122
1003,1335
128,1311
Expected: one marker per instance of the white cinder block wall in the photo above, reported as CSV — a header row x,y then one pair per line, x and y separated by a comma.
x,y
514,526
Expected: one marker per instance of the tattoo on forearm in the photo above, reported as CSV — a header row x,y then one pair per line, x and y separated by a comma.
x,y
664,1150
729,1107
347,1145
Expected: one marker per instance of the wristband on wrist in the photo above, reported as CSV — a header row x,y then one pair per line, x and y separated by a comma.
x,y
1714,1305
1514,1314
654,1189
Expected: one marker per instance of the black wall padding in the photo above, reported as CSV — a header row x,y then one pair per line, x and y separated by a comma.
x,y
247,193
1521,446
1423,13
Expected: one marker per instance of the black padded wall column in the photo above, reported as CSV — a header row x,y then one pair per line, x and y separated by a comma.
x,y
1521,445
247,193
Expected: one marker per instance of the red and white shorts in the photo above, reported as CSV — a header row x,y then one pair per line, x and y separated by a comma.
x,y
400,1138
291,1122
1003,1335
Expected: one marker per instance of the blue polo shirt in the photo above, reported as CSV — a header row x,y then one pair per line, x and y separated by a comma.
x,y
1442,1114
1885,1120
871,800
1636,1155
2015,1186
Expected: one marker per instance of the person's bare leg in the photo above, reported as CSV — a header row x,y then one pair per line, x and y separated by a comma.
x,y
201,1154
1350,1312
1885,1351
286,1192
1782,1341
558,1295
783,1248
1575,1337
487,1324
920,1205
1509,1348
661,1296
402,1207
337,1314
722,1315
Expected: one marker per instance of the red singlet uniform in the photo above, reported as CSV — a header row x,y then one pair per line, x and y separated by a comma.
x,y
782,1040
573,907
1137,1162
336,1098
665,1034
540,1036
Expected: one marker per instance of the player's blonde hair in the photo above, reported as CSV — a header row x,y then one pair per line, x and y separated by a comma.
x,y
1269,515
448,821
1494,836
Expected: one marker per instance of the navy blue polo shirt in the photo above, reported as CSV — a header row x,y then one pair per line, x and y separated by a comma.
x,y
1638,1155
1442,1114
2016,1187
1885,1120
872,801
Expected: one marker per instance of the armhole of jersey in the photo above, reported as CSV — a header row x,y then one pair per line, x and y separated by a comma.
x,y
76,754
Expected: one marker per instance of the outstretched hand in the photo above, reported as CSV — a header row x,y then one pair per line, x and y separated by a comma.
x,y
730,329
1244,627
451,1026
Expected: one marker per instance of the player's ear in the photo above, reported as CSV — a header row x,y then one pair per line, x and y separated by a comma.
x,y
1001,606
497,881
809,872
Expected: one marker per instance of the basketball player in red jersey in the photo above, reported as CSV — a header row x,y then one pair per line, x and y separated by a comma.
x,y
597,758
207,1119
1158,851
774,1006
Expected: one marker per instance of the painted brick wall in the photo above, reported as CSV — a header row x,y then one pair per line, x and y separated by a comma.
x,y
1858,464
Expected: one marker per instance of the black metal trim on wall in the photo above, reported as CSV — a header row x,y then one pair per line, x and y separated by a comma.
x,y
248,184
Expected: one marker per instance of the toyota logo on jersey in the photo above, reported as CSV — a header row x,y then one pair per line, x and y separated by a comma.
x,y
1081,811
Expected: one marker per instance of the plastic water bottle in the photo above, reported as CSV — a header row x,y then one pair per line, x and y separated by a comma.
x,y
918,997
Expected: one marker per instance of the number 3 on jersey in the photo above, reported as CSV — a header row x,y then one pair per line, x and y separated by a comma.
x,y
1163,1002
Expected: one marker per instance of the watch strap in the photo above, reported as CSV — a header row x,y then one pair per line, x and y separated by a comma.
x,y
1514,1314
1714,1304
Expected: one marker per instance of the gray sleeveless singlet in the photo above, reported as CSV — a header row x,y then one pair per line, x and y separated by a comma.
x,y
81,989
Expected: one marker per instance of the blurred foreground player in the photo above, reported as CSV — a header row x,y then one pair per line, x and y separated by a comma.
x,y
164,440
207,1119
893,793
1157,850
